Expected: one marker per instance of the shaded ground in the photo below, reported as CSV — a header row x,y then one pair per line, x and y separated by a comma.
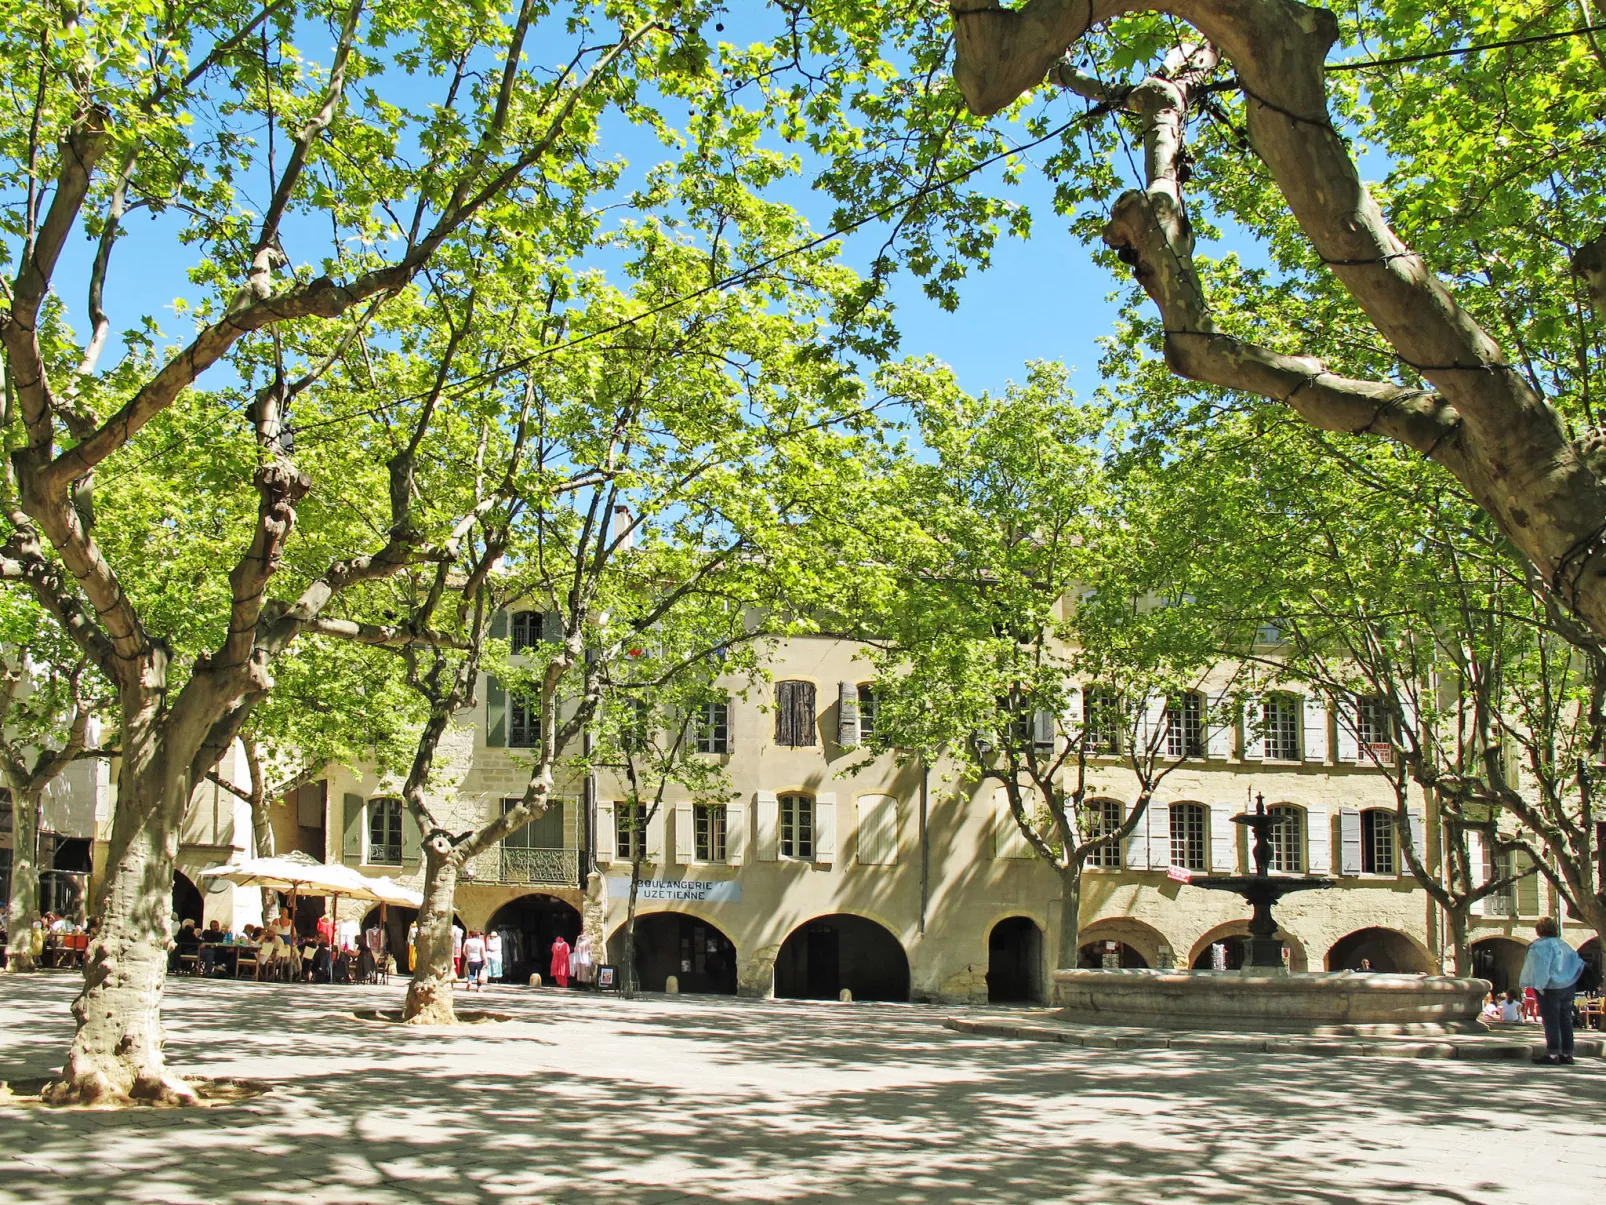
x,y
699,1100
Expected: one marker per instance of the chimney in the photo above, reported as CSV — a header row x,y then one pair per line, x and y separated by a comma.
x,y
621,526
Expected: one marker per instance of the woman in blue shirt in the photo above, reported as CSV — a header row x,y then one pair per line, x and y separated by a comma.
x,y
1552,969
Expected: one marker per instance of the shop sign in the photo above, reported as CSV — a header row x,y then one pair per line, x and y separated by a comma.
x,y
678,891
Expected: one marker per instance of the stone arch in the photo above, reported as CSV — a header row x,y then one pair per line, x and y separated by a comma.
x,y
825,954
1235,936
1590,980
1139,943
700,955
1388,950
529,924
1015,962
1498,959
188,902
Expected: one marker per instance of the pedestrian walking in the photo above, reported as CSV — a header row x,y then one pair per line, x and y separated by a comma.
x,y
1552,968
560,962
474,959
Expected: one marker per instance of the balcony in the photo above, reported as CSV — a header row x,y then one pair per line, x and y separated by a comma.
x,y
553,867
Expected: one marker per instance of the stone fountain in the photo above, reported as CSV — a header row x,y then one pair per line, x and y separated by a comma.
x,y
1264,997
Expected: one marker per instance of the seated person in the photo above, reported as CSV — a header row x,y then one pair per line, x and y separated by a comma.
x,y
185,941
1510,1010
1491,1007
211,937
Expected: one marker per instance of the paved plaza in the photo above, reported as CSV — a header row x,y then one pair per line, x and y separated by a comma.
x,y
697,1100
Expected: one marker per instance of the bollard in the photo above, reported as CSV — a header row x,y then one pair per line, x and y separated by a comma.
x,y
845,996
535,981
672,985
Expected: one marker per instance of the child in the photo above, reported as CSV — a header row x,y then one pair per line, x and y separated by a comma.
x,y
1510,1010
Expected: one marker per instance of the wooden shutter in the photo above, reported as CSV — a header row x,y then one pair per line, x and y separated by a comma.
x,y
412,838
1159,836
847,715
1218,727
351,832
685,834
1478,866
1527,889
735,833
1043,728
1348,743
607,834
551,627
1349,841
1222,834
878,830
1318,839
499,625
655,836
1254,728
1151,726
804,716
1008,840
825,827
1314,736
495,714
785,709
766,826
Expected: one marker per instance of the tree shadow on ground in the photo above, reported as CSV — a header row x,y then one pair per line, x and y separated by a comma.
x,y
702,1100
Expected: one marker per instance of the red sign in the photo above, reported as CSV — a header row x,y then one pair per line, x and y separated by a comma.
x,y
1180,873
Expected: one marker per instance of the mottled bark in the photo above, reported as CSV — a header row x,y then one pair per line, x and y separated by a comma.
x,y
1070,918
429,996
1456,927
22,909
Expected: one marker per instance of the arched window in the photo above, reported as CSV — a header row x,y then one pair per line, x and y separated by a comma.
x,y
384,832
1190,836
797,825
1377,842
1288,839
1104,817
1280,722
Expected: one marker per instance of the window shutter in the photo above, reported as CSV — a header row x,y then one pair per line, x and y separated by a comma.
x,y
804,714
412,838
1222,832
1315,733
1008,840
1218,727
847,715
1478,868
1349,841
495,714
655,837
1159,836
1349,744
551,627
1071,721
685,834
766,825
878,830
1137,845
1318,839
1409,722
499,625
607,835
825,827
1254,728
735,833
1527,889
1043,728
1418,840
1151,726
351,833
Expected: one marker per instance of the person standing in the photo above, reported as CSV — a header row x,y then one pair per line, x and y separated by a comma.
x,y
474,958
493,954
560,962
457,950
1552,968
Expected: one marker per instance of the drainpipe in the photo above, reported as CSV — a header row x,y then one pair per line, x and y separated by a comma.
x,y
588,817
925,845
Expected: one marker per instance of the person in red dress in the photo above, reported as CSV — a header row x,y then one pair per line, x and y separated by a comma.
x,y
560,962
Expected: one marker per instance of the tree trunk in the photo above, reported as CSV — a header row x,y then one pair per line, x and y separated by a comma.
x,y
429,996
22,909
116,1054
262,838
1455,920
627,953
1070,918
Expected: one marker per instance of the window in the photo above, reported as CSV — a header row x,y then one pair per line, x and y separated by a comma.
x,y
523,722
1288,839
526,629
1184,718
1101,719
1377,841
1190,840
6,818
714,728
1372,726
797,826
635,725
794,714
1104,817
867,712
709,823
384,832
630,832
1280,725
544,832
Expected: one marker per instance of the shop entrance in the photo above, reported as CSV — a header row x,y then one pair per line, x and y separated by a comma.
x,y
825,955
1015,961
701,958
529,925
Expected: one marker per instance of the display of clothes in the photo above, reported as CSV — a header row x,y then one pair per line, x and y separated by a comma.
x,y
581,960
513,951
349,931
412,946
560,962
374,940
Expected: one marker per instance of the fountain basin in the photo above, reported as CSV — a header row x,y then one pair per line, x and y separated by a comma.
x,y
1339,1003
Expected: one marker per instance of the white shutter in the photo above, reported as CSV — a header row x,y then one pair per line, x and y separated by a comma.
x,y
878,830
1159,836
825,827
1476,865
1349,744
1137,844
1071,721
1254,728
685,835
1222,838
1218,727
1043,728
1410,721
1349,841
1008,840
606,835
1315,734
1318,839
1152,730
735,833
766,826
1418,840
847,715
655,837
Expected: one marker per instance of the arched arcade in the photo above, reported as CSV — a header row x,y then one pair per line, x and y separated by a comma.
x,y
823,956
1384,950
529,925
697,953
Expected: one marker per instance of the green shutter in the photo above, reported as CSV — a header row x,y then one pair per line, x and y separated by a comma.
x,y
499,625
412,838
351,834
495,714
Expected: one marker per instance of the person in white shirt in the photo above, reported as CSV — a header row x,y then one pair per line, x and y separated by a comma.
x,y
1510,1010
474,959
493,955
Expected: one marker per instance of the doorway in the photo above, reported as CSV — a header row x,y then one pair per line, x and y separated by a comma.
x,y
529,925
1015,962
823,956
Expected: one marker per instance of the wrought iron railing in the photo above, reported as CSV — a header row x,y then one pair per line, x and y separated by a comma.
x,y
557,866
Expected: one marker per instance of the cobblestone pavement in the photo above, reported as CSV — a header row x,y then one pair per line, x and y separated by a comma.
x,y
697,1101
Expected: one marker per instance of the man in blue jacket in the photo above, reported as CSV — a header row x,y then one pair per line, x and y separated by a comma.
x,y
1552,969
